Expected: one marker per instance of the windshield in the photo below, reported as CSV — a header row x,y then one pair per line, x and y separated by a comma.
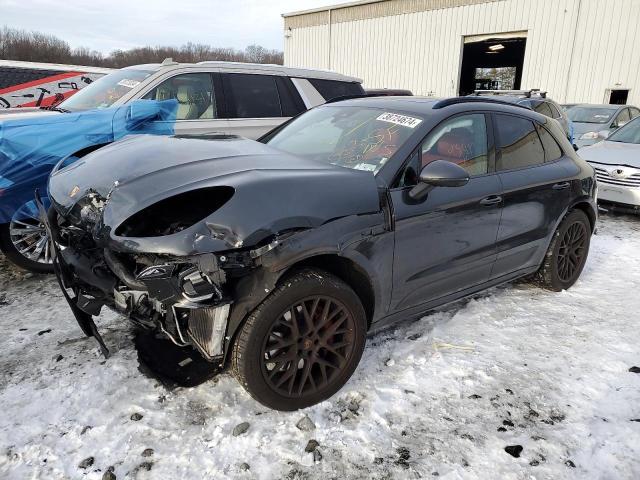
x,y
105,91
630,133
591,114
352,137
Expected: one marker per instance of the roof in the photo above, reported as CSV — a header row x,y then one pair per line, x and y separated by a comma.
x,y
331,7
256,67
427,105
53,66
360,10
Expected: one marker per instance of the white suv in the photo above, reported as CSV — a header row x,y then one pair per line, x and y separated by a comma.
x,y
237,98
212,97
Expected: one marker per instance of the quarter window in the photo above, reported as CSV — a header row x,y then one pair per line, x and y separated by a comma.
x,y
251,96
194,93
290,99
519,143
461,140
330,89
552,150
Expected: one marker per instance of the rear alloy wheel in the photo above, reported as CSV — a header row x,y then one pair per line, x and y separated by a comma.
x,y
25,242
302,343
567,253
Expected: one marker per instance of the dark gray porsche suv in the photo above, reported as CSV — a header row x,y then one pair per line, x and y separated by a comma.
x,y
278,256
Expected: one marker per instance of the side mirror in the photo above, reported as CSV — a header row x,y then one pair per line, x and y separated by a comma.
x,y
439,173
141,111
603,134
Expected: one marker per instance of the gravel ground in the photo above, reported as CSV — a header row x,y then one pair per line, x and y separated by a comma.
x,y
516,383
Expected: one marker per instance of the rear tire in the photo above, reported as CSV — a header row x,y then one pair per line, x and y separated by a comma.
x,y
567,253
301,344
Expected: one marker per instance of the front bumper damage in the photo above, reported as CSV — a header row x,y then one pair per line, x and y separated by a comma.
x,y
187,299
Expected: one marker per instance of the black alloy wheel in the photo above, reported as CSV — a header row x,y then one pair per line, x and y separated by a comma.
x,y
307,346
567,253
302,343
572,250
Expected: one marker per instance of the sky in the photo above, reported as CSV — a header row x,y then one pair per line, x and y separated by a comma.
x,y
121,24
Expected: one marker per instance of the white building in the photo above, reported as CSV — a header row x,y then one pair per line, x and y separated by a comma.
x,y
577,50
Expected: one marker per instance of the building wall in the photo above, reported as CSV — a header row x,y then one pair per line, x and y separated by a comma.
x,y
576,49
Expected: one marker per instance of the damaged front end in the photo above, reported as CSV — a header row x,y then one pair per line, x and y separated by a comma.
x,y
185,298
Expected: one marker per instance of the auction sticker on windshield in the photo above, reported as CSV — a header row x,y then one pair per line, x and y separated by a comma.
x,y
403,120
128,83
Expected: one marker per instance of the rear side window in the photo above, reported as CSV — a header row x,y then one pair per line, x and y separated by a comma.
x,y
544,109
330,89
251,96
519,143
552,150
290,99
555,111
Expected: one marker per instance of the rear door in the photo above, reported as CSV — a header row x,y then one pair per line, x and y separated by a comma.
x,y
258,103
535,185
445,243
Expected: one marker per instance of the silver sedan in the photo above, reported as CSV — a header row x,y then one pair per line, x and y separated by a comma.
x,y
617,164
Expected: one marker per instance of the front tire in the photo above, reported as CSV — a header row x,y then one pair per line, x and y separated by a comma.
x,y
301,344
567,254
25,242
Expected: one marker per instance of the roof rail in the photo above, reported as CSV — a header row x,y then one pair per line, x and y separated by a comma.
x,y
475,99
526,93
351,97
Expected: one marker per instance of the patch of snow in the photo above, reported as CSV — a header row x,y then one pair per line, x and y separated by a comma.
x,y
516,365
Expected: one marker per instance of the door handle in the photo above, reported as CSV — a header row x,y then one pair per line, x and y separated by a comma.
x,y
491,200
561,186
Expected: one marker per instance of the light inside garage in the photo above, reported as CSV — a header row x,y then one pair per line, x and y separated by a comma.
x,y
492,62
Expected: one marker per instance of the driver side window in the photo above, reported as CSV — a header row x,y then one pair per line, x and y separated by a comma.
x,y
461,140
194,93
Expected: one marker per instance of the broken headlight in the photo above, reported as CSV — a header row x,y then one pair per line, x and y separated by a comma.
x,y
196,286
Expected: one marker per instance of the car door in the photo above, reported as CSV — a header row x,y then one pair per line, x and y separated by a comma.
x,y
535,191
445,243
199,97
258,103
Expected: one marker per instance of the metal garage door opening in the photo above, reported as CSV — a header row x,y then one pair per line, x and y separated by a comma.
x,y
492,62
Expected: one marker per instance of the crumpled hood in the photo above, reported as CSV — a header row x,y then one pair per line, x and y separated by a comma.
x,y
273,191
612,153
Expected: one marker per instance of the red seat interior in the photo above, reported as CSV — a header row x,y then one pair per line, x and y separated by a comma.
x,y
455,146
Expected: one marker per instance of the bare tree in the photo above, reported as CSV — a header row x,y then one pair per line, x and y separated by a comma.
x,y
16,44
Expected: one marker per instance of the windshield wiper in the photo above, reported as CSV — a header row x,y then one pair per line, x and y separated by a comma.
x,y
55,109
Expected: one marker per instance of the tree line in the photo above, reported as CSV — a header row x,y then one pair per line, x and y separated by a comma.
x,y
17,44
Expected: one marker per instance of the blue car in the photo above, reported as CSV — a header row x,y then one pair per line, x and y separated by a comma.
x,y
31,146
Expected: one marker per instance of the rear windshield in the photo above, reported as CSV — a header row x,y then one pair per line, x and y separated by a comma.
x,y
591,114
353,137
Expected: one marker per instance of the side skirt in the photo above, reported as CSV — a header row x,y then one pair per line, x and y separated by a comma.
x,y
421,310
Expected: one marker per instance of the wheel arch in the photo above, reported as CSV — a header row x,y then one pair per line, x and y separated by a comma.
x,y
346,270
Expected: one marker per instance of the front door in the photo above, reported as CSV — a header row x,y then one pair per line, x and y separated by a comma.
x,y
198,96
446,243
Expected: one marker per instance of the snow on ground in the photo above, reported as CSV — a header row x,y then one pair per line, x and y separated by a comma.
x,y
442,396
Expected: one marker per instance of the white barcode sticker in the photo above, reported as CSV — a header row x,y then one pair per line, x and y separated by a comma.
x,y
128,83
402,120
